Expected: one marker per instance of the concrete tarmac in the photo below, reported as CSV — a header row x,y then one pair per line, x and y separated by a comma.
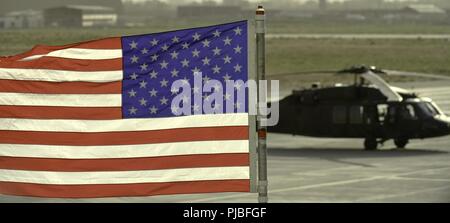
x,y
304,169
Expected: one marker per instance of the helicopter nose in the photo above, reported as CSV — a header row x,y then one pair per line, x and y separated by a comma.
x,y
447,127
439,126
444,125
446,120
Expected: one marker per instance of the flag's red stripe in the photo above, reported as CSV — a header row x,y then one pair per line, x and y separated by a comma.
x,y
125,138
56,63
125,164
108,43
43,87
47,112
122,190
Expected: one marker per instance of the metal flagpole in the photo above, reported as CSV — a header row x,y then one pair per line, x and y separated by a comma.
x,y
262,99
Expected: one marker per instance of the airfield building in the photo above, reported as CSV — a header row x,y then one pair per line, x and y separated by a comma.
x,y
7,6
80,16
22,19
421,11
208,11
424,9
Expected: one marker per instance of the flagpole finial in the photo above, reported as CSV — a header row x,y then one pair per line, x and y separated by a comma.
x,y
260,18
260,10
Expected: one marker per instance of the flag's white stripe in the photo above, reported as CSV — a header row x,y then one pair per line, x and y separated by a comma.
x,y
59,75
120,125
125,177
69,100
78,53
124,151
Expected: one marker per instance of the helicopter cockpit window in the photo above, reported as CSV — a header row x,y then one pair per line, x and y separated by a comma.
x,y
356,114
339,115
408,112
429,109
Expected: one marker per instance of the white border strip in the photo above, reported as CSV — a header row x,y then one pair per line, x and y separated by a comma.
x,y
125,177
119,125
124,151
69,100
59,75
78,53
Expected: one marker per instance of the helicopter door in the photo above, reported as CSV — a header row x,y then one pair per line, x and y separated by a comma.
x,y
373,119
339,124
348,121
408,120
402,120
356,120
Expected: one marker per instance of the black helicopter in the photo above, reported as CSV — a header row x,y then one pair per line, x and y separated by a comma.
x,y
376,112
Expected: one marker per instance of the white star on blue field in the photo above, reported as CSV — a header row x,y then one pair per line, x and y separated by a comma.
x,y
152,62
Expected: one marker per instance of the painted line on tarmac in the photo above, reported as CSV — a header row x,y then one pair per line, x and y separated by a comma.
x,y
336,183
294,188
322,172
429,89
382,197
434,93
421,179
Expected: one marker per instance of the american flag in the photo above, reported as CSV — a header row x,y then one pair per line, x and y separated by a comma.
x,y
94,119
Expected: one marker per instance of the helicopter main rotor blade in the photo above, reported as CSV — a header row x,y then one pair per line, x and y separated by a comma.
x,y
416,74
352,71
303,73
384,87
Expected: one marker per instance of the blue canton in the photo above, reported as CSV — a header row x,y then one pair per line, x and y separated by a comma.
x,y
152,62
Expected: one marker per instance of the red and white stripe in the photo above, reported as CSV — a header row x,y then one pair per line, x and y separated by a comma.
x,y
62,133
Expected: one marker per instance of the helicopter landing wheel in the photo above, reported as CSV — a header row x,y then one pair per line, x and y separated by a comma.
x,y
370,144
401,142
